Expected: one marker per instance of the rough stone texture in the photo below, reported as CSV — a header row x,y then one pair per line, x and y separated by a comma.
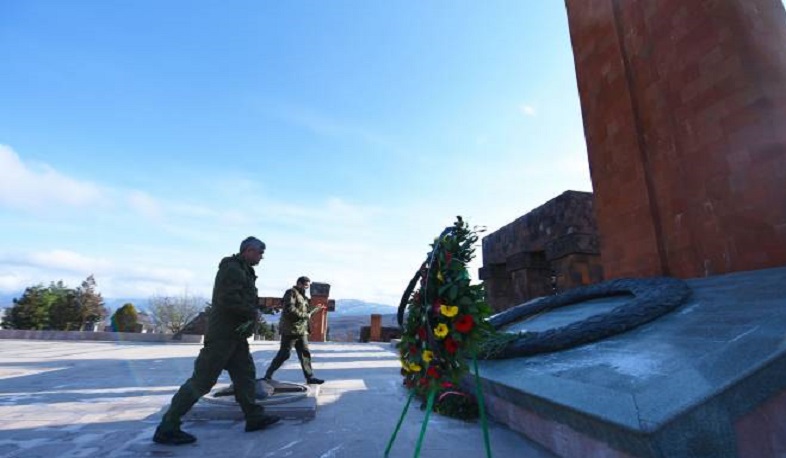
x,y
558,239
684,108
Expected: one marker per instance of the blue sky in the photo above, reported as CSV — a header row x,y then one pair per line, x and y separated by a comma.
x,y
142,140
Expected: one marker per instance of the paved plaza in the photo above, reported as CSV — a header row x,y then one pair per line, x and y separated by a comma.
x,y
70,399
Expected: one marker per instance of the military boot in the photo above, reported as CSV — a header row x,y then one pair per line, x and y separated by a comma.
x,y
172,437
261,422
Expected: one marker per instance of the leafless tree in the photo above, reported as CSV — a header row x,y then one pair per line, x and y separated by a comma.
x,y
173,313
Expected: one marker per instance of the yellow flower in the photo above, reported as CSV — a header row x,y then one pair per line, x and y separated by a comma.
x,y
414,367
441,330
440,277
428,355
448,310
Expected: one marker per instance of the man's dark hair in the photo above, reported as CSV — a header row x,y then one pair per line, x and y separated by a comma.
x,y
303,279
252,242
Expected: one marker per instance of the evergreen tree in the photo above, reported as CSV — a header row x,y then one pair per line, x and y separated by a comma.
x,y
64,313
28,311
31,311
125,319
91,304
56,307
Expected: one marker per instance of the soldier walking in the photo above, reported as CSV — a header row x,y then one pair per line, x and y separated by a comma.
x,y
294,327
234,303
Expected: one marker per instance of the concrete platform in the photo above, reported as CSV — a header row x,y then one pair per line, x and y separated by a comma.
x,y
707,380
103,399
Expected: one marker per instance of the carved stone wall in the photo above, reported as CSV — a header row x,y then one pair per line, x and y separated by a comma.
x,y
684,109
553,246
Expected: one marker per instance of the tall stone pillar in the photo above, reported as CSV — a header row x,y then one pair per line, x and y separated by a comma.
x,y
684,108
375,332
319,298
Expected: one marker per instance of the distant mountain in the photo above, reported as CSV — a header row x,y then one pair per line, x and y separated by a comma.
x,y
358,307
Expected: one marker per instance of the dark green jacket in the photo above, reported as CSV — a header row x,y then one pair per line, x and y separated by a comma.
x,y
235,299
295,313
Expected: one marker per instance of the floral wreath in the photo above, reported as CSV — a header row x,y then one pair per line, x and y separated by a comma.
x,y
446,322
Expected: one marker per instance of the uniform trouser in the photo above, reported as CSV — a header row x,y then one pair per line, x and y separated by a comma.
x,y
217,355
301,347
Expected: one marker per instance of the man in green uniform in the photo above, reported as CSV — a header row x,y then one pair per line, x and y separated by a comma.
x,y
293,326
234,303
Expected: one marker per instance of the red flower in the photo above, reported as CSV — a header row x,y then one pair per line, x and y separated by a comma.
x,y
448,257
422,333
464,324
432,372
413,350
451,345
447,385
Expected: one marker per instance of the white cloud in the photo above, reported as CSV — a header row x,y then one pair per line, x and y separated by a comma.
x,y
366,252
13,282
65,261
527,110
144,204
41,188
132,278
38,186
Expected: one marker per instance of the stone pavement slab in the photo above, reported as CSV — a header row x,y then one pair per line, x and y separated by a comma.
x,y
104,399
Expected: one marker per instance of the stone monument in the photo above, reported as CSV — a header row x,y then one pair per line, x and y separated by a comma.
x,y
684,109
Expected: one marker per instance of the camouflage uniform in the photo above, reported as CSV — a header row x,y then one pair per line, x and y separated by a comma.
x,y
234,302
294,328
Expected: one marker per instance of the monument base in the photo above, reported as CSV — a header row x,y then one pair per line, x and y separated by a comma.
x,y
707,380
288,400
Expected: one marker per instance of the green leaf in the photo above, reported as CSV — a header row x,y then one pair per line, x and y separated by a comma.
x,y
453,293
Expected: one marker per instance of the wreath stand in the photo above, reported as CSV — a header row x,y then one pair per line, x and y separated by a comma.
x,y
454,245
430,406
